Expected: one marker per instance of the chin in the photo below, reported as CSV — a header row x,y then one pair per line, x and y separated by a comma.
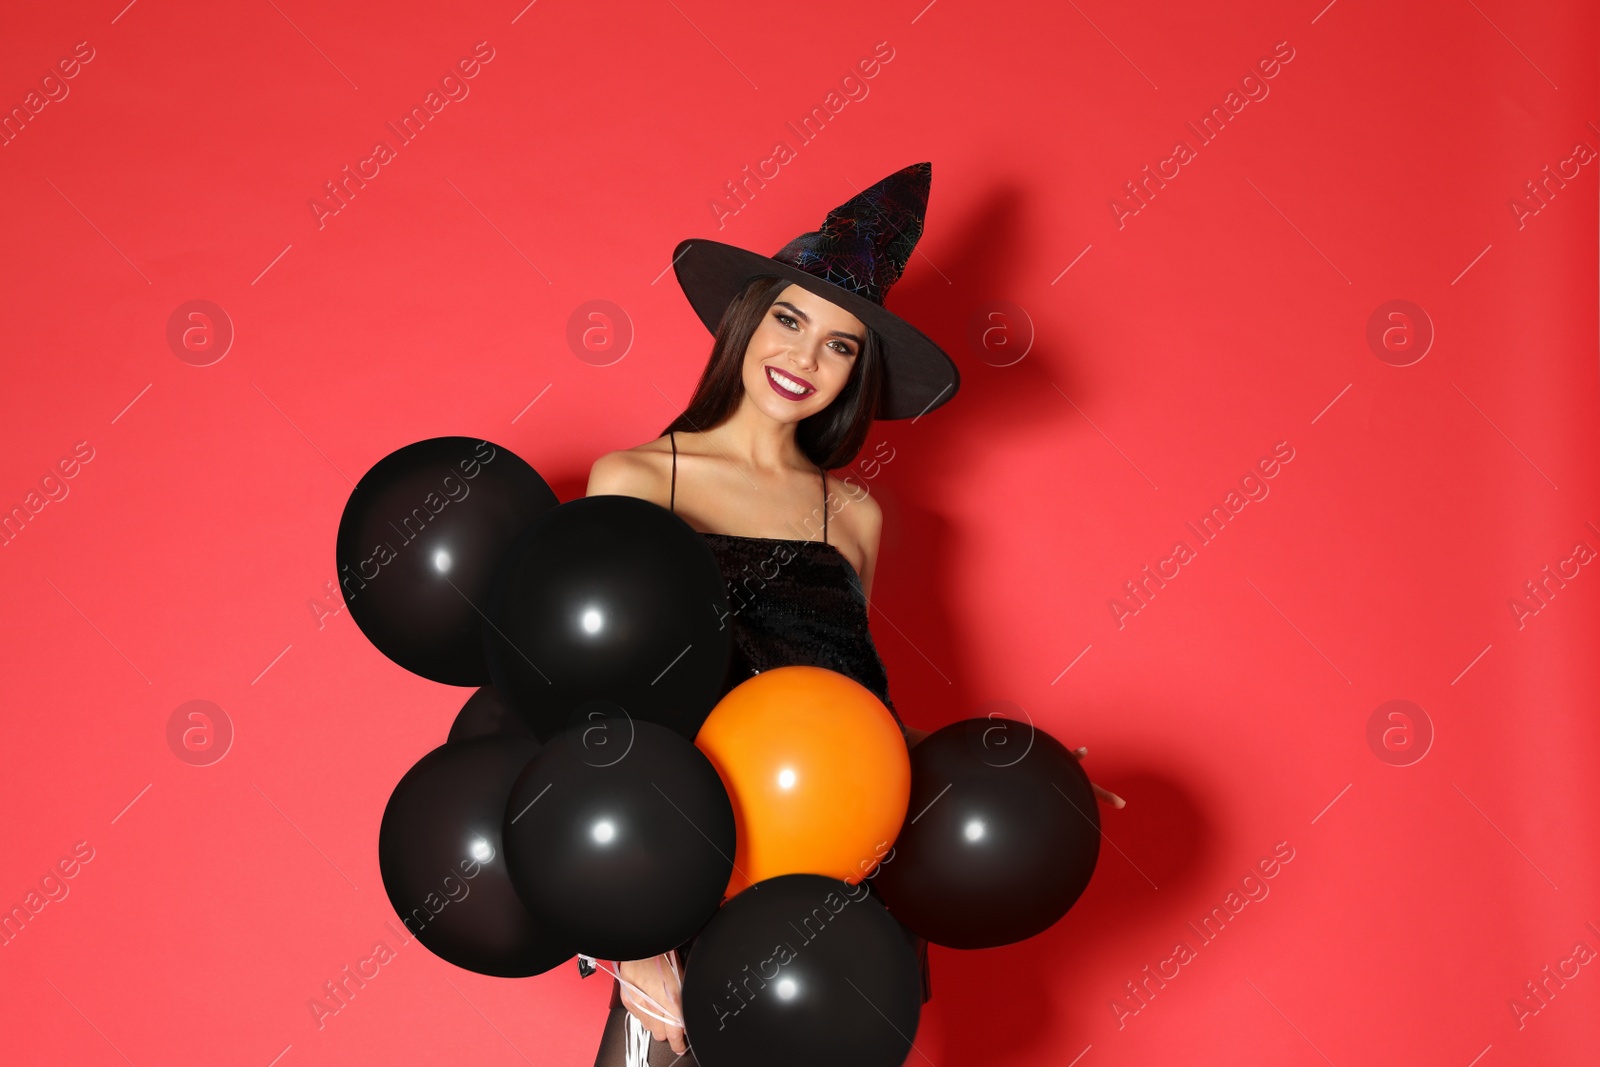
x,y
780,411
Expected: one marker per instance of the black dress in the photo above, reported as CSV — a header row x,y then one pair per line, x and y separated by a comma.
x,y
792,602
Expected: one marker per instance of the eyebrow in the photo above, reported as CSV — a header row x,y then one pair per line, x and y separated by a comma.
x,y
807,318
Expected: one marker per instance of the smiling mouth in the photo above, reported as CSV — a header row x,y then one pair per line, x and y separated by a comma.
x,y
787,385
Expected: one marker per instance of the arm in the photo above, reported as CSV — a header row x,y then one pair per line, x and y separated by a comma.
x,y
869,530
869,526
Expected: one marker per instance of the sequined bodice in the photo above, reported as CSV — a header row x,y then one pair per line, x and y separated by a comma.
x,y
797,603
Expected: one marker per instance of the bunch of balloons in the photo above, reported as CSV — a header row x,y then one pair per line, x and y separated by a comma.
x,y
609,792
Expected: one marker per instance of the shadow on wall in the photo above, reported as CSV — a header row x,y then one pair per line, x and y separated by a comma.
x,y
948,294
999,1002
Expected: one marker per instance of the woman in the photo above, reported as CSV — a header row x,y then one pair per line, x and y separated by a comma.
x,y
805,358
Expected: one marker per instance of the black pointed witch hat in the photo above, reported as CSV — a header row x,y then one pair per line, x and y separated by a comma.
x,y
860,251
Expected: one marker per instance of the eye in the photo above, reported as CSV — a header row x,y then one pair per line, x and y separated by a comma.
x,y
844,348
787,320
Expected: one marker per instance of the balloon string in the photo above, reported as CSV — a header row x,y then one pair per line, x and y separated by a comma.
x,y
648,1001
637,1051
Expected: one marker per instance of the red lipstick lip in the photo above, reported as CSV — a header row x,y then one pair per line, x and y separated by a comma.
x,y
781,391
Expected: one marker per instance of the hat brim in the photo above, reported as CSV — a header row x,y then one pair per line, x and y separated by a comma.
x,y
917,376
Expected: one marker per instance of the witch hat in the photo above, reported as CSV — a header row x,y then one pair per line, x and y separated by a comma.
x,y
860,251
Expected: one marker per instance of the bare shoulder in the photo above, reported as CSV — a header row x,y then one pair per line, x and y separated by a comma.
x,y
856,500
853,508
643,471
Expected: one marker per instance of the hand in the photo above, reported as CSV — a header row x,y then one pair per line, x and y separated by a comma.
x,y
659,981
1104,794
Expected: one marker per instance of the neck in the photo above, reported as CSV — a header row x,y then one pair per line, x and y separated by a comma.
x,y
756,439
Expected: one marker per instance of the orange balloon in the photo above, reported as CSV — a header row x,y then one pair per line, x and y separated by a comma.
x,y
817,770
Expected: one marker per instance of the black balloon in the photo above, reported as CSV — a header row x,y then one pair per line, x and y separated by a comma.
x,y
1006,841
610,597
620,833
443,864
486,714
418,542
801,970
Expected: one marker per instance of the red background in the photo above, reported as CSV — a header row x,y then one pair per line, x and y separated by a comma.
x,y
1229,314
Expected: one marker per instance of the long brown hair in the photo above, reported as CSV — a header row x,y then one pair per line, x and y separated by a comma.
x,y
833,436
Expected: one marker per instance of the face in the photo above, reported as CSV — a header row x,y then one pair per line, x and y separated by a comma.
x,y
800,357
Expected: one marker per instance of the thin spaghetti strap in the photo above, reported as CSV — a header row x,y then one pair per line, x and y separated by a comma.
x,y
824,505
673,501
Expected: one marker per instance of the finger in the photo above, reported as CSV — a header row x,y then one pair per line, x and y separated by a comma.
x,y
676,1040
1109,797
